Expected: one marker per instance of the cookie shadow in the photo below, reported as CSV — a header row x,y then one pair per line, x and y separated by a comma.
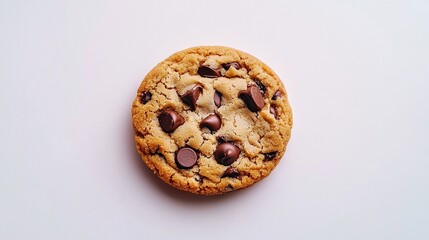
x,y
163,188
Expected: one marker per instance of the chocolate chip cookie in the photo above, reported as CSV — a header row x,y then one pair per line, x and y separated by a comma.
x,y
211,120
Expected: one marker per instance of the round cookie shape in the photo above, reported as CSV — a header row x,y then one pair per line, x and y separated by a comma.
x,y
211,120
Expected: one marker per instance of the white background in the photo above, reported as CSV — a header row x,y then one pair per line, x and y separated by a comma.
x,y
357,74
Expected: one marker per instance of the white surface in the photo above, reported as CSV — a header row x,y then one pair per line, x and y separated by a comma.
x,y
357,74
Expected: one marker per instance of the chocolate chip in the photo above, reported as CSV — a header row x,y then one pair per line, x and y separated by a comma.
x,y
276,95
226,153
235,65
186,157
205,71
231,172
270,155
261,86
211,122
169,120
253,98
198,178
217,98
273,111
191,96
145,97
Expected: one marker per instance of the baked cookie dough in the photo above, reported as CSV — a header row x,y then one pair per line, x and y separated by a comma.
x,y
211,120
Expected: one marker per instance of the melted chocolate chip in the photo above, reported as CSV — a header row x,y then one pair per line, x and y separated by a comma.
x,y
270,155
191,96
235,65
211,122
273,111
186,157
226,153
276,95
231,172
261,86
253,98
217,98
145,97
205,71
169,120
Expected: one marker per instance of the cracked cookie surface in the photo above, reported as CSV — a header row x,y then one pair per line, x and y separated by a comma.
x,y
210,120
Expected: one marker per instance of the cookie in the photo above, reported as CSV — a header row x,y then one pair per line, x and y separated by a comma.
x,y
211,120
